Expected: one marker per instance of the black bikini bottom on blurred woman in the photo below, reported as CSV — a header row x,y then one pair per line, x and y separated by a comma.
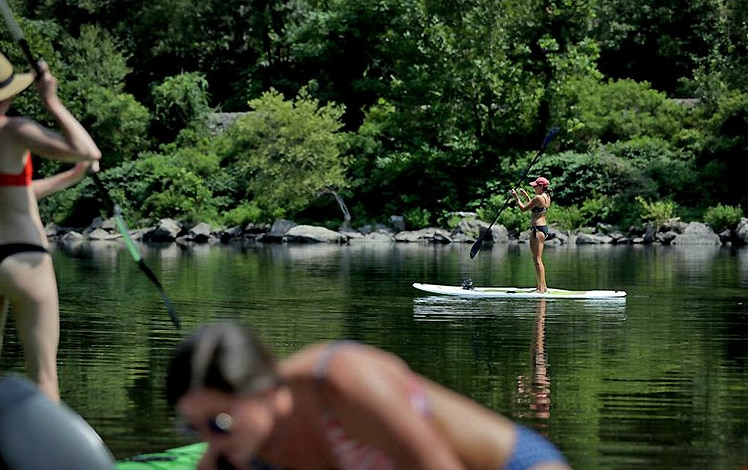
x,y
10,249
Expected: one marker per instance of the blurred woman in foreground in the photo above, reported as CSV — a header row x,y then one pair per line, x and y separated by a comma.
x,y
339,405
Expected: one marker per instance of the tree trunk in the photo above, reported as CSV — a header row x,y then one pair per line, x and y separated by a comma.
x,y
341,204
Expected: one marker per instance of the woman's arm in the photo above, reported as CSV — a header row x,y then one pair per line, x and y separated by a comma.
x,y
46,186
368,391
73,145
524,206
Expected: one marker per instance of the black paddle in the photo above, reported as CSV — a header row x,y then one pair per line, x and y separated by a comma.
x,y
479,242
18,37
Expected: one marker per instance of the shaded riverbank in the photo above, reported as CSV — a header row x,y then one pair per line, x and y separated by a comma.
x,y
468,230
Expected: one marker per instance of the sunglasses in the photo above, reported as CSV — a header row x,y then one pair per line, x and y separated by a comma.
x,y
218,425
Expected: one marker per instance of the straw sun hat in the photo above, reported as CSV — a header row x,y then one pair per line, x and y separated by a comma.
x,y
12,83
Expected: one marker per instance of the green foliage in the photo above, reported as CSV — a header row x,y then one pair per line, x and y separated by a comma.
x,y
665,171
596,208
568,217
179,193
723,155
574,175
92,76
723,66
166,185
657,212
448,220
619,110
657,41
94,58
73,207
288,151
722,217
442,100
242,215
417,218
119,125
91,71
180,101
513,219
645,148
41,36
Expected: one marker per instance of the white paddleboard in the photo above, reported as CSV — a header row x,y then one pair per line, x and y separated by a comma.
x,y
516,292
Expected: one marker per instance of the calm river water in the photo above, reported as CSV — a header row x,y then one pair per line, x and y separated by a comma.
x,y
659,380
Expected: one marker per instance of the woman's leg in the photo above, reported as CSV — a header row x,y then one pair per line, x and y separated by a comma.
x,y
29,283
537,243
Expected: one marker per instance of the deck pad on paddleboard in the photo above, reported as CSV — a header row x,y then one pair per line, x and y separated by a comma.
x,y
517,292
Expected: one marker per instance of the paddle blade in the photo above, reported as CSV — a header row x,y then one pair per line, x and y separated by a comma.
x,y
476,247
549,137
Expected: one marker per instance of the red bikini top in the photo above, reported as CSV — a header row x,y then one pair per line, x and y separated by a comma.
x,y
21,179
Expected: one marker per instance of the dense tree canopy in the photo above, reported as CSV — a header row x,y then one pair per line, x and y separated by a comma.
x,y
438,104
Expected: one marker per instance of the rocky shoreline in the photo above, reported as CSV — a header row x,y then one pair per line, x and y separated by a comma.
x,y
673,232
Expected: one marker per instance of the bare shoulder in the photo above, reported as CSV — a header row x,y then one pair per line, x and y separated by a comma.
x,y
18,129
347,366
11,142
16,123
305,361
300,362
352,355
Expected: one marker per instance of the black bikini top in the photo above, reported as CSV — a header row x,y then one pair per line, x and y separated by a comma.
x,y
538,209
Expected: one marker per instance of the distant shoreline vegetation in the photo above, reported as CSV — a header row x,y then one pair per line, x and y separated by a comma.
x,y
214,112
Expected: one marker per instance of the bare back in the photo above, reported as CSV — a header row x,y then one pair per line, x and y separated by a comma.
x,y
478,437
19,213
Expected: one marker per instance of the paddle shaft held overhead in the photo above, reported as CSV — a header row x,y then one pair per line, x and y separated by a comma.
x,y
479,242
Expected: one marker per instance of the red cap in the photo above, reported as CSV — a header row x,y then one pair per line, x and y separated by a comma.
x,y
541,181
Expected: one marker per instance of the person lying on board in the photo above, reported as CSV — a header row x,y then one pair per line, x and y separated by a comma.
x,y
338,405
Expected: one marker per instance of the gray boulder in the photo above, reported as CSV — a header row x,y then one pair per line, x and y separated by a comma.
x,y
697,233
666,238
167,230
200,233
99,234
592,239
277,232
425,235
380,236
313,234
741,231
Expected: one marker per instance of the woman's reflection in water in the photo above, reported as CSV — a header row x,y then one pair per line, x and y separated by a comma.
x,y
534,390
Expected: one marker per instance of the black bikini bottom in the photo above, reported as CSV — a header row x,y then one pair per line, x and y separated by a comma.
x,y
540,228
10,249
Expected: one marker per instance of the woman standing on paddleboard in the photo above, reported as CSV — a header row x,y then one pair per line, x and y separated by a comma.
x,y
538,206
340,405
27,277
